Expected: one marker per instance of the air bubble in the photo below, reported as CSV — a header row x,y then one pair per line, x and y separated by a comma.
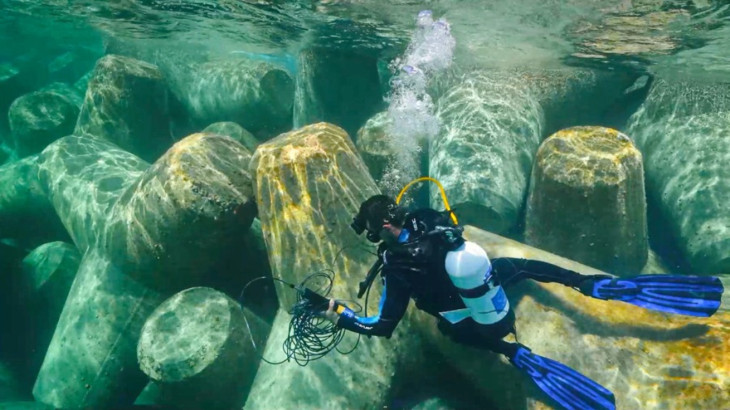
x,y
411,110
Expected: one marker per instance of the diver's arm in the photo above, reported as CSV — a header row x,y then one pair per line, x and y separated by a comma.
x,y
392,307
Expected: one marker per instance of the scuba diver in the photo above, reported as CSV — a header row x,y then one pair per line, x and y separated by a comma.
x,y
422,255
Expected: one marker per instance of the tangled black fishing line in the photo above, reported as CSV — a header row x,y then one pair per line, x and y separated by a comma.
x,y
310,335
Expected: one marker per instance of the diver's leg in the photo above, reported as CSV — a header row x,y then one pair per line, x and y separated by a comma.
x,y
488,337
512,270
564,385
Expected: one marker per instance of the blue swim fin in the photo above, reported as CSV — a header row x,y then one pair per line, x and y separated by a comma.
x,y
680,294
566,386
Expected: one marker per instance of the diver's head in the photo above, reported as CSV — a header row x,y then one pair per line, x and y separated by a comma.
x,y
381,217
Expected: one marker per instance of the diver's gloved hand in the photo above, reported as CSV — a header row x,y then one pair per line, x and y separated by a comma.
x,y
330,314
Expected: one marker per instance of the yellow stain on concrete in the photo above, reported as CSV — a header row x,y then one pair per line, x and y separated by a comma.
x,y
578,145
299,175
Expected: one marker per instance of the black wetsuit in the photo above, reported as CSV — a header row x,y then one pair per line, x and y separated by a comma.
x,y
414,268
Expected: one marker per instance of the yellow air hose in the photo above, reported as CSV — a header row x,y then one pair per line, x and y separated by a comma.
x,y
441,188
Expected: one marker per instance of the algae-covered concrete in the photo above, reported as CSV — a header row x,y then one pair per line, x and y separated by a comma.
x,y
309,184
25,210
681,130
336,86
195,346
39,118
235,131
492,123
128,102
47,273
587,199
195,197
134,219
256,95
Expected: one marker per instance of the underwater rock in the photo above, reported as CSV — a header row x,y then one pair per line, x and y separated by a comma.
x,y
68,91
587,200
39,118
83,177
128,103
82,84
173,222
642,356
195,346
373,144
72,64
492,124
17,78
91,360
26,213
483,155
155,394
145,235
47,274
309,184
247,254
379,150
235,131
256,95
307,195
681,131
337,87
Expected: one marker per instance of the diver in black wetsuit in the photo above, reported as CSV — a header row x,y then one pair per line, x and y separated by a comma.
x,y
413,251
424,257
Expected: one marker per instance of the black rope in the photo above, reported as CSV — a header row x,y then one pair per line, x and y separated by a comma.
x,y
310,335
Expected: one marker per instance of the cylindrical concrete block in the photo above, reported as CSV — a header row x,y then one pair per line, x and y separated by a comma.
x,y
91,360
254,94
26,213
336,86
83,176
47,275
587,200
154,237
393,160
235,131
195,346
491,128
128,103
492,123
682,129
176,220
39,118
309,184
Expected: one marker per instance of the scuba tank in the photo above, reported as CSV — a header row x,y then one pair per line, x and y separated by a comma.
x,y
470,270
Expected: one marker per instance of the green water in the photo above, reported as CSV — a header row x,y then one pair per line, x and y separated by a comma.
x,y
109,208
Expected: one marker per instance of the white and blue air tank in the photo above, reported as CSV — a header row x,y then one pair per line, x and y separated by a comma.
x,y
470,271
